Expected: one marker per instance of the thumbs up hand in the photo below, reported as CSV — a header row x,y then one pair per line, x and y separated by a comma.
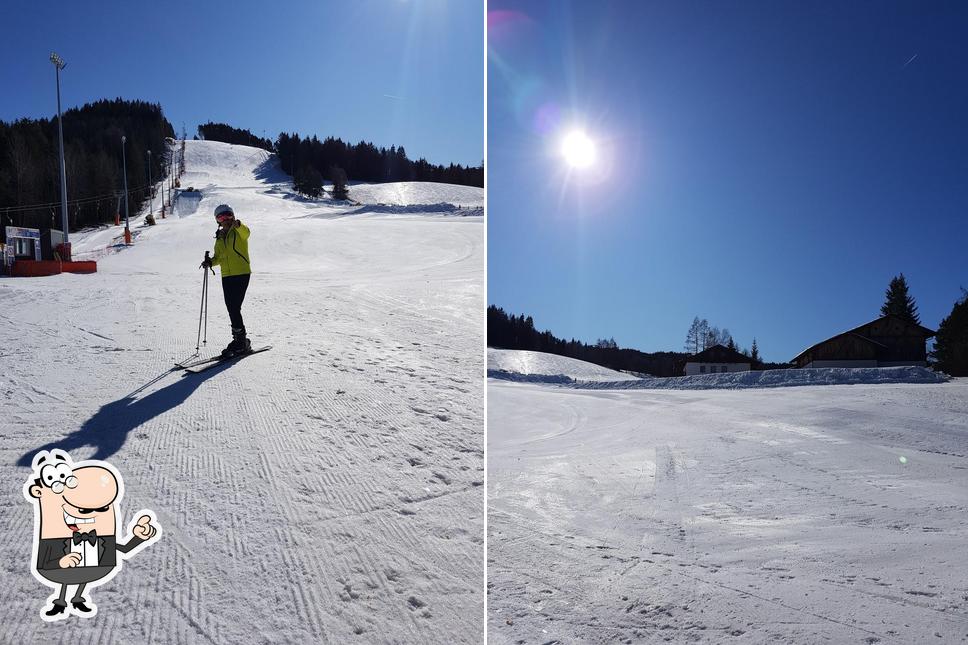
x,y
144,529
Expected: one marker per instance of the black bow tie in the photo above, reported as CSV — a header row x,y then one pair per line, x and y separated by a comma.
x,y
90,536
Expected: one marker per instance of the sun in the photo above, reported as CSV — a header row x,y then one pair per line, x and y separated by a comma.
x,y
578,149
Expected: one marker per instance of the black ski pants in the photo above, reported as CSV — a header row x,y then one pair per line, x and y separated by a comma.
x,y
233,288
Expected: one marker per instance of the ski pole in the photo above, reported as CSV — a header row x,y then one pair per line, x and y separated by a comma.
x,y
203,306
205,335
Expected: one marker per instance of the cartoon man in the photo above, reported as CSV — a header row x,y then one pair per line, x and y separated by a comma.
x,y
75,523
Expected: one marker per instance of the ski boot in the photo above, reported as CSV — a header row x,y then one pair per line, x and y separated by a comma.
x,y
239,345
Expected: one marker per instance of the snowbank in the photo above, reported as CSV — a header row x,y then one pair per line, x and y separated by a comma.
x,y
538,367
412,193
781,378
442,208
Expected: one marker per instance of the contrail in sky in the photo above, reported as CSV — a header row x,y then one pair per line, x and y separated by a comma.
x,y
400,98
910,60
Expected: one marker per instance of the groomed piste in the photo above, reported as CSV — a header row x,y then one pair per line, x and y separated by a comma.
x,y
716,510
328,490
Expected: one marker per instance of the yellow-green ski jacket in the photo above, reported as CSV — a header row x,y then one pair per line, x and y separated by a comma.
x,y
232,252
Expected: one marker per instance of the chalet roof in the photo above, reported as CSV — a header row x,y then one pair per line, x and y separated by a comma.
x,y
856,332
719,354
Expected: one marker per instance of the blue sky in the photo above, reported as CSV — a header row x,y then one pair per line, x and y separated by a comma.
x,y
393,72
768,166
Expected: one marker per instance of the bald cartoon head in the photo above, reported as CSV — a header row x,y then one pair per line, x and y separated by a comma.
x,y
73,499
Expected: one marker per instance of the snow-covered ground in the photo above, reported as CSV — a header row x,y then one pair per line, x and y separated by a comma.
x,y
329,490
815,514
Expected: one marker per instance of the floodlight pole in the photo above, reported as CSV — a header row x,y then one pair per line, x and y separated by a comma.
x,y
124,162
151,194
59,64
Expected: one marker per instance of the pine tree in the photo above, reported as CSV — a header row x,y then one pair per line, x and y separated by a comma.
x,y
309,182
338,175
951,343
898,302
755,352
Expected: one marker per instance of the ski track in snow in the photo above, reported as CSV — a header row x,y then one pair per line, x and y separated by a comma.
x,y
748,516
329,490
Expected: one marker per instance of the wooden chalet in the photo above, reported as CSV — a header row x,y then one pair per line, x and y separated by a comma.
x,y
716,359
889,341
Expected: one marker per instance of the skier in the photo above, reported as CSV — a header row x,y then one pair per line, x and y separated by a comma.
x,y
232,256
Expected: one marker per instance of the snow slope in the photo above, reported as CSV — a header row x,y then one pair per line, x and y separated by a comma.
x,y
720,516
329,490
522,365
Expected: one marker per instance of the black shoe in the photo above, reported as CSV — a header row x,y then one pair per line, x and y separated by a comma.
x,y
55,610
80,606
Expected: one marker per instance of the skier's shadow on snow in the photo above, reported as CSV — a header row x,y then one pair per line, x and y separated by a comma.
x,y
107,431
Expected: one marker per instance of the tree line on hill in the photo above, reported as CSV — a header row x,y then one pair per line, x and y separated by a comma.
x,y
364,161
508,331
227,134
311,161
30,163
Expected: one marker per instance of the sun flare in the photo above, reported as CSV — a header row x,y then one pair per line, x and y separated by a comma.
x,y
578,149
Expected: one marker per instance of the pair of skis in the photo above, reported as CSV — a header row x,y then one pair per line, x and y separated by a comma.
x,y
196,365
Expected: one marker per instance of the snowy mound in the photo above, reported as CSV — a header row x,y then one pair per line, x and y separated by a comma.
x,y
782,378
415,193
521,365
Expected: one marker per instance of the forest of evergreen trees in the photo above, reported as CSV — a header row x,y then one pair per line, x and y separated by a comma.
x,y
951,344
227,134
365,162
30,163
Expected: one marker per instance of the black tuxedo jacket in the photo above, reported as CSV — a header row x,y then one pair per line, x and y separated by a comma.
x,y
51,550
